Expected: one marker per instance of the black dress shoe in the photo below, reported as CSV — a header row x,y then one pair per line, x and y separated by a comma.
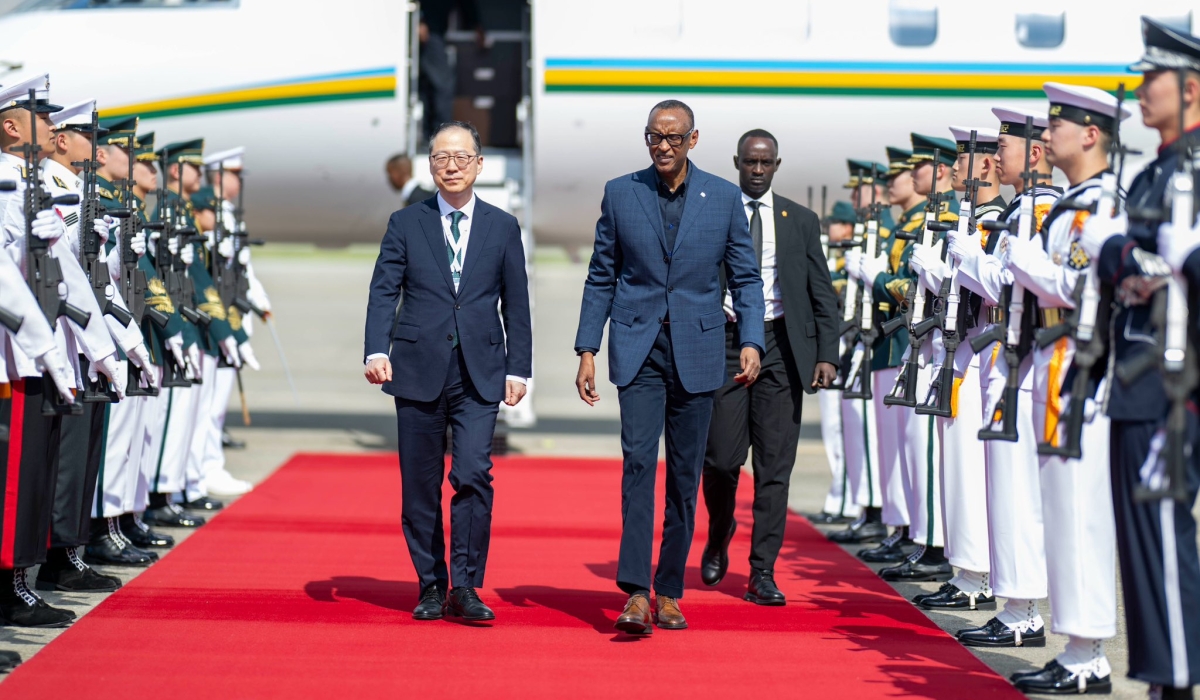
x,y
714,562
229,442
950,597
171,515
895,548
824,518
65,571
141,535
762,590
9,660
107,548
1055,679
204,503
433,601
1159,692
997,634
864,533
922,565
465,603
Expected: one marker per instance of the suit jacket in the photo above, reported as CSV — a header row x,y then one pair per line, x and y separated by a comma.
x,y
418,195
635,281
809,303
412,259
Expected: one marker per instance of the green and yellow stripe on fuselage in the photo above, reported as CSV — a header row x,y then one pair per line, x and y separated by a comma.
x,y
848,78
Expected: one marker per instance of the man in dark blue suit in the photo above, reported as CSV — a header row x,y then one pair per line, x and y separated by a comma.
x,y
663,235
448,359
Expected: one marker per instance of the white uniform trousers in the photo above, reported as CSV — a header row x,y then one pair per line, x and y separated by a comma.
x,y
204,397
1014,493
169,438
861,450
964,474
214,453
839,500
921,462
121,462
889,427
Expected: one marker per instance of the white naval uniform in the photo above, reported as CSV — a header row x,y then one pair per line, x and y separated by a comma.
x,y
839,500
204,399
1076,493
1016,536
964,472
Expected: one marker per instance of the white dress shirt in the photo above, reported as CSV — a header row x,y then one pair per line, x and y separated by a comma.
x,y
772,294
464,236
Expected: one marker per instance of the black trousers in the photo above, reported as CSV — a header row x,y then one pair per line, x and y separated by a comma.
x,y
27,472
1160,565
765,415
436,83
79,459
422,438
653,400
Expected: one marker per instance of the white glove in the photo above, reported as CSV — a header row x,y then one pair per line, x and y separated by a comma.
x,y
225,248
154,235
1020,252
229,348
921,257
54,364
188,254
140,357
962,246
175,345
110,368
173,246
248,357
244,257
872,268
193,353
101,227
137,243
830,263
209,236
48,225
853,262
1098,229
1175,246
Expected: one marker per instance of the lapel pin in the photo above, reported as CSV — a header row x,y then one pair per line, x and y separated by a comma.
x,y
784,212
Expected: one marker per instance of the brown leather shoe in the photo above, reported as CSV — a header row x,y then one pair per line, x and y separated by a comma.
x,y
669,617
635,618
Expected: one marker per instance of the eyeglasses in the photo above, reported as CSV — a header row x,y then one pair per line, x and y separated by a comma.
x,y
462,160
673,140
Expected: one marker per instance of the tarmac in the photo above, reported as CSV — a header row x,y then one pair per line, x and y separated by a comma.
x,y
319,299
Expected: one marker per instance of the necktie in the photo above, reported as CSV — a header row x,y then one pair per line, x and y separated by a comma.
x,y
456,258
756,231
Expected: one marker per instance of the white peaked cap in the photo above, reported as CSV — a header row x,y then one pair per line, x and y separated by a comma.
x,y
1083,104
231,159
1012,121
77,114
14,94
963,133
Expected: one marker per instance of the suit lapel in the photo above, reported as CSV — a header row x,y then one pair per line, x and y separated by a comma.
x,y
480,228
783,237
647,194
692,204
431,224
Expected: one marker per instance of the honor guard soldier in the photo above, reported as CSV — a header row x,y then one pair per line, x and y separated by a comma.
x,y
920,455
1018,557
964,478
1080,535
1156,537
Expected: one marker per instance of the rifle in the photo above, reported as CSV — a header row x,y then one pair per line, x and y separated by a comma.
x,y
242,238
1173,354
849,302
169,268
1002,421
939,399
43,272
1088,323
133,280
867,333
90,209
904,392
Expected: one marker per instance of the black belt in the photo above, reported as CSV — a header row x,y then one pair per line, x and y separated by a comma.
x,y
768,326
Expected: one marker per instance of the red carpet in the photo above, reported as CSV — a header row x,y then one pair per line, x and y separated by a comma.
x,y
304,589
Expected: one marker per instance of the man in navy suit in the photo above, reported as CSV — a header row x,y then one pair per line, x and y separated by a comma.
x,y
663,235
448,359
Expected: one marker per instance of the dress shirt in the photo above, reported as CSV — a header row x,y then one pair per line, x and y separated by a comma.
x,y
464,231
670,205
772,294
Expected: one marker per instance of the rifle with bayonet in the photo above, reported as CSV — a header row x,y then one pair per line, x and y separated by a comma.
x,y
133,279
1001,423
851,298
867,333
1088,324
241,238
170,269
43,273
920,323
939,401
1172,353
96,269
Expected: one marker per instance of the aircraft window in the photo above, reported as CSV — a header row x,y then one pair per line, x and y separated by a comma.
x,y
1040,30
912,22
49,5
1181,22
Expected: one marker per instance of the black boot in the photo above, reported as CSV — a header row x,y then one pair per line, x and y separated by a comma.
x,y
108,547
1159,692
140,534
714,561
762,589
21,607
9,660
65,571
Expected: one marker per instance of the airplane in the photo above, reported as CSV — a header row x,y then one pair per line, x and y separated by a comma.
x,y
320,94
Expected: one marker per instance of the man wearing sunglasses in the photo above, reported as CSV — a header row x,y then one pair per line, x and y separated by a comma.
x,y
663,236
